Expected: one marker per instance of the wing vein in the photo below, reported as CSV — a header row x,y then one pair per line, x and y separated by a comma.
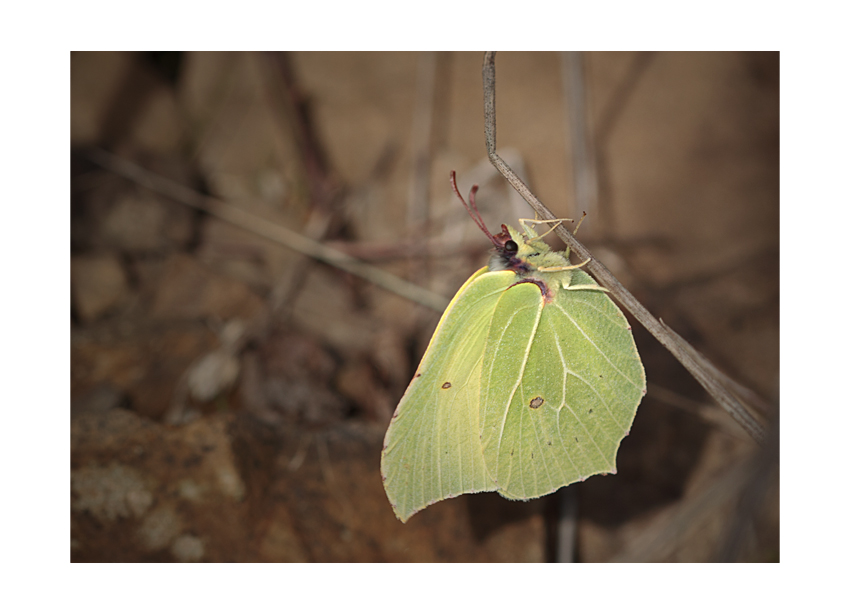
x,y
598,349
521,371
564,401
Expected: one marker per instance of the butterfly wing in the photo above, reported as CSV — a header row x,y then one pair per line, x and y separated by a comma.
x,y
432,449
560,386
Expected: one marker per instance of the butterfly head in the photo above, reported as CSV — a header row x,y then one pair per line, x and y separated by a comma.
x,y
519,252
523,252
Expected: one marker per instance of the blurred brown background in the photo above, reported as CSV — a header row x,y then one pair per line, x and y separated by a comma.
x,y
229,395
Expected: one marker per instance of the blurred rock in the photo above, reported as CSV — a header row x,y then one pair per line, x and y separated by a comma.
x,y
298,375
98,284
189,290
121,96
110,214
332,507
94,76
100,399
140,363
357,382
243,255
138,486
140,222
303,401
188,549
252,394
224,488
110,493
159,528
160,126
226,97
391,358
324,307
216,373
212,375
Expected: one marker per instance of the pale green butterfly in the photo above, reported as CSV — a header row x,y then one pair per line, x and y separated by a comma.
x,y
530,382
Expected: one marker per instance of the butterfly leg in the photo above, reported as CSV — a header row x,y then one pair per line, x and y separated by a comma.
x,y
569,267
587,287
555,223
583,215
536,221
528,222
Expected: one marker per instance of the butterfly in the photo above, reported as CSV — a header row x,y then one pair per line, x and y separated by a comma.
x,y
530,382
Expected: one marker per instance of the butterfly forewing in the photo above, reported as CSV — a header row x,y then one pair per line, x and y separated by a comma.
x,y
432,450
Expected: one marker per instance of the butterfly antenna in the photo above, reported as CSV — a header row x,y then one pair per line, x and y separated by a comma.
x,y
472,209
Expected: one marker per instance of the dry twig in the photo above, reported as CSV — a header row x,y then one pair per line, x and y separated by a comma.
x,y
717,384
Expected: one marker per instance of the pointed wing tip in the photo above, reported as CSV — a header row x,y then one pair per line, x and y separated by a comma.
x,y
401,516
404,516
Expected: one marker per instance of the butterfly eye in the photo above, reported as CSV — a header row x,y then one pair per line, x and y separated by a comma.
x,y
511,246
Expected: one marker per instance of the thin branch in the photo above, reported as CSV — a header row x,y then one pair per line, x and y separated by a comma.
x,y
269,230
702,370
567,525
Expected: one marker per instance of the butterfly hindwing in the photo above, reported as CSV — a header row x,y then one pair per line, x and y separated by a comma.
x,y
561,381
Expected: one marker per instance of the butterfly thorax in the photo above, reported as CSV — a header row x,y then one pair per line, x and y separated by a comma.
x,y
528,257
